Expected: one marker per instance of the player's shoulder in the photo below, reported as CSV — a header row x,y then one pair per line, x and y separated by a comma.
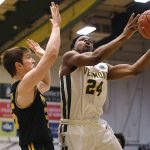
x,y
70,53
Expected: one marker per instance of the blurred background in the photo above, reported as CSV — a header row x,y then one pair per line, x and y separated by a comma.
x,y
127,107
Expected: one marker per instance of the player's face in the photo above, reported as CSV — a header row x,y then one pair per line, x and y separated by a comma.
x,y
28,61
84,44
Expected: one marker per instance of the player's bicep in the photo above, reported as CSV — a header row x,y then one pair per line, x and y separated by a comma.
x,y
77,59
29,81
120,71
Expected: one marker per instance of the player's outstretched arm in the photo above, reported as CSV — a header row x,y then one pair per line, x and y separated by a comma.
x,y
125,70
73,58
33,77
105,51
51,52
44,84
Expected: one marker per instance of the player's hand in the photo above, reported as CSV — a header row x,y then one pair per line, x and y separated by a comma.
x,y
35,47
56,19
132,26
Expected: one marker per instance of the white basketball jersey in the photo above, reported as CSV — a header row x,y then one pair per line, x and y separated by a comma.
x,y
83,92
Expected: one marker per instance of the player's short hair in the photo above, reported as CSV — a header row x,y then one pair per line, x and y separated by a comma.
x,y
11,56
74,41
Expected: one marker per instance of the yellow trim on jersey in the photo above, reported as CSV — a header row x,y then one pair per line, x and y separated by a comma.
x,y
45,109
15,121
46,116
11,96
42,98
48,125
12,106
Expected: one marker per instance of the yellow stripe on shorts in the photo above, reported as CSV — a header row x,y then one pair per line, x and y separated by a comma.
x,y
32,147
29,148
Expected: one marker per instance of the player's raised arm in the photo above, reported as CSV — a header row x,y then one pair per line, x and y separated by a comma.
x,y
83,45
105,51
32,78
44,84
125,70
50,55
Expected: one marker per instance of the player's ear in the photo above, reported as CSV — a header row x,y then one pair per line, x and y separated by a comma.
x,y
18,65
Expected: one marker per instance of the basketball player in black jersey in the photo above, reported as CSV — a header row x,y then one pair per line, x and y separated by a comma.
x,y
83,80
29,107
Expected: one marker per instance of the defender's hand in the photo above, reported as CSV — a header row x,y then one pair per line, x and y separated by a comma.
x,y
35,47
56,19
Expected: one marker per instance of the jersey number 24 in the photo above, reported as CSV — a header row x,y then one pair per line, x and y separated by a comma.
x,y
92,87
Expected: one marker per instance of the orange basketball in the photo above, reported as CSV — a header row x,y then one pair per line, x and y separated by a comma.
x,y
144,21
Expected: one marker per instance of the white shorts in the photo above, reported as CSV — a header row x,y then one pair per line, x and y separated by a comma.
x,y
87,135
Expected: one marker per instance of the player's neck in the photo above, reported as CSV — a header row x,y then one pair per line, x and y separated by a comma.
x,y
17,77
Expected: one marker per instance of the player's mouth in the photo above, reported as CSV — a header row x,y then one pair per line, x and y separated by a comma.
x,y
88,44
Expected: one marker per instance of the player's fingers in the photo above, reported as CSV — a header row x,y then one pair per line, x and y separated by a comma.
x,y
140,28
51,20
52,10
29,42
53,7
57,9
136,18
52,3
136,28
32,43
131,18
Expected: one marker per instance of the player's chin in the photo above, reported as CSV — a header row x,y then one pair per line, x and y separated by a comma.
x,y
86,49
89,48
32,67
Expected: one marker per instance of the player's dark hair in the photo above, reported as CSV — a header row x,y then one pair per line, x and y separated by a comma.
x,y
11,56
74,41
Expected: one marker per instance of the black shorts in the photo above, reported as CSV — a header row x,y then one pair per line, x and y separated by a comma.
x,y
37,146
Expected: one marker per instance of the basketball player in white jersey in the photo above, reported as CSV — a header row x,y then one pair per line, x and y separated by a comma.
x,y
83,81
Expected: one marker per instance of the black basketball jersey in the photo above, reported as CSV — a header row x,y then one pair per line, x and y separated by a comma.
x,y
31,122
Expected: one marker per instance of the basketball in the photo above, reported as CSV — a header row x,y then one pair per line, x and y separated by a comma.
x,y
144,21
